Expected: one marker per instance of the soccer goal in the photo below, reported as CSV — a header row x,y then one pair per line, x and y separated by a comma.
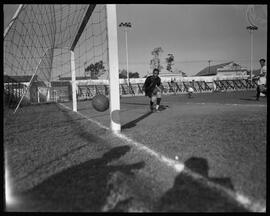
x,y
45,44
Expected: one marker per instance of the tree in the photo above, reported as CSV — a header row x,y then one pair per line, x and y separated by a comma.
x,y
134,75
96,70
123,74
170,62
155,62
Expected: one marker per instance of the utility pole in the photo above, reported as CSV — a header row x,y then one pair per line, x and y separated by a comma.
x,y
251,29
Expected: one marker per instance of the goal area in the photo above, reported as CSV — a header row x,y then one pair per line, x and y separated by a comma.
x,y
55,43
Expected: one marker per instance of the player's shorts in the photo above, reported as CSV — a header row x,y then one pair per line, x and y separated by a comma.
x,y
156,94
155,91
262,81
263,88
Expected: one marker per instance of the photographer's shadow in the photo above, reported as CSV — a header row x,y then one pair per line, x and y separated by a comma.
x,y
194,195
200,166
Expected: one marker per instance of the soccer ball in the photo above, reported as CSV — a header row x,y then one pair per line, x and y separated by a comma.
x,y
190,90
100,103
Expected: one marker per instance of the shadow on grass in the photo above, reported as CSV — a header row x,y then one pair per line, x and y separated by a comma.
x,y
190,195
140,104
133,123
72,126
83,187
163,107
248,99
40,167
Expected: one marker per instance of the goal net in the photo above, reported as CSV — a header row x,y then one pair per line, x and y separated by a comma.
x,y
37,49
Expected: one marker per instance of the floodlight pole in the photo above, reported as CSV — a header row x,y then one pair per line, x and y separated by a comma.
x,y
126,26
127,56
251,29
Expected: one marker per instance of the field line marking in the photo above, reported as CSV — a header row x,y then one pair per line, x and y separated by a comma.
x,y
92,120
228,104
260,105
180,167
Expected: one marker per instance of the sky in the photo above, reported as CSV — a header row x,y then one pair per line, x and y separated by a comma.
x,y
194,34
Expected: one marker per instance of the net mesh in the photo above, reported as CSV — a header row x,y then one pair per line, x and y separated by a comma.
x,y
41,37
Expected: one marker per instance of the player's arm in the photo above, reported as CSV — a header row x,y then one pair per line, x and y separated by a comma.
x,y
159,85
263,72
256,77
146,84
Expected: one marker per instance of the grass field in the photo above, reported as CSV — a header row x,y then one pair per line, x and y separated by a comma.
x,y
60,161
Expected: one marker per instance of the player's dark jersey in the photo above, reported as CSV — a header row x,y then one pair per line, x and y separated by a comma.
x,y
149,85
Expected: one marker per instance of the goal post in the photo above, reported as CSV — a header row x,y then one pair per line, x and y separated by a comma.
x,y
114,68
73,82
13,19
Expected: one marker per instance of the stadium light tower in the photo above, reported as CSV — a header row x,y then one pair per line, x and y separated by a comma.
x,y
251,28
125,26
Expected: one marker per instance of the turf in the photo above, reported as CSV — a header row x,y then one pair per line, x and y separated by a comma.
x,y
60,157
231,138
228,129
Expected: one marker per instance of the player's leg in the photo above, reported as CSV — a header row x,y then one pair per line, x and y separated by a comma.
x,y
258,92
153,101
262,90
190,92
158,99
151,104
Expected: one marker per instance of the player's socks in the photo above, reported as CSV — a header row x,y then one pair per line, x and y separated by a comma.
x,y
158,103
151,105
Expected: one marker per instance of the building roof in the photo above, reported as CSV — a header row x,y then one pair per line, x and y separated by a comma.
x,y
169,74
213,69
232,67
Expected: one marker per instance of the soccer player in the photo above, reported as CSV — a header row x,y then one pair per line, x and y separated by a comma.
x,y
190,91
262,84
152,88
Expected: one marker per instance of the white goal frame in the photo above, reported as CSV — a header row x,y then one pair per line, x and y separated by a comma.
x,y
114,95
